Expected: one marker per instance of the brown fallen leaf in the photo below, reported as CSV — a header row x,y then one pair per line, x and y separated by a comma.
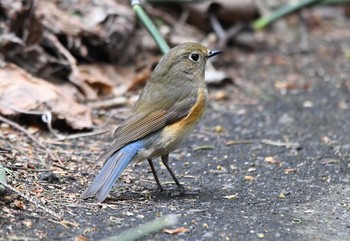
x,y
249,178
292,81
227,11
271,160
291,85
19,204
220,95
28,223
22,92
95,76
81,238
176,231
140,78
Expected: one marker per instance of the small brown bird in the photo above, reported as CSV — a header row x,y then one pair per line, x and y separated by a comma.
x,y
169,107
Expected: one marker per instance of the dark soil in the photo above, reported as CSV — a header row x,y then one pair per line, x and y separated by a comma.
x,y
280,143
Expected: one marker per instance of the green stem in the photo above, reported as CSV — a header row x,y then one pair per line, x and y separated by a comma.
x,y
2,179
152,29
144,229
281,12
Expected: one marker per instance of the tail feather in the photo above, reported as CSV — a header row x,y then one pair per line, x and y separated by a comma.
x,y
112,169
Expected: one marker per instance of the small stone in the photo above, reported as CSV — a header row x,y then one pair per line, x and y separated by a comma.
x,y
219,129
49,177
308,104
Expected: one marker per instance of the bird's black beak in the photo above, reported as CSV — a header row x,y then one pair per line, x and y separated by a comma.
x,y
213,53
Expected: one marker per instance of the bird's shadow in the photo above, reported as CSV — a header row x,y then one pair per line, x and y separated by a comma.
x,y
164,195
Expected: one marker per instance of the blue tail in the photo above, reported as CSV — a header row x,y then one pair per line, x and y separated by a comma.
x,y
112,169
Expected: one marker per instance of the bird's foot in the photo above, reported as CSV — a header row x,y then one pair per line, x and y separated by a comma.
x,y
160,188
182,191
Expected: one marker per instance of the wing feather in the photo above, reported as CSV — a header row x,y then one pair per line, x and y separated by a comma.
x,y
139,125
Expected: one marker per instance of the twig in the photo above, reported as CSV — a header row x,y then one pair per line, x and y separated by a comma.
x,y
26,168
216,25
60,166
204,147
108,103
66,224
20,128
29,199
86,134
222,34
279,143
158,13
235,142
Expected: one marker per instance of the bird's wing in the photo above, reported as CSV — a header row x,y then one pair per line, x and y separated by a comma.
x,y
140,124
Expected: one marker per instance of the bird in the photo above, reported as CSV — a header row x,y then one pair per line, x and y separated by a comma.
x,y
169,107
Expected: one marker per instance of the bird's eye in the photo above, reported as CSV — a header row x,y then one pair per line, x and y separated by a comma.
x,y
194,57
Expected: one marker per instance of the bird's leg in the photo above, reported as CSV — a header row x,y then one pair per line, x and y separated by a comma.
x,y
155,174
165,160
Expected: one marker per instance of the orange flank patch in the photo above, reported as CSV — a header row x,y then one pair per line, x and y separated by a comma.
x,y
195,113
193,116
197,110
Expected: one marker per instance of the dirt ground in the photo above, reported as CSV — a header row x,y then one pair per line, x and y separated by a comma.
x,y
271,161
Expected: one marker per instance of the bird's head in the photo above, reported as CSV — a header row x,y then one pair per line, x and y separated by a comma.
x,y
186,59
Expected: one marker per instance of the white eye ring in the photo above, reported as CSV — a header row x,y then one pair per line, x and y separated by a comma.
x,y
194,57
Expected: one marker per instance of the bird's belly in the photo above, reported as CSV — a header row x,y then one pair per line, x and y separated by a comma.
x,y
166,141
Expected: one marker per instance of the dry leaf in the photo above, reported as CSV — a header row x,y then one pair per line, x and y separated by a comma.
x,y
140,78
232,197
271,160
227,11
220,95
19,204
81,238
290,85
21,91
95,76
290,170
249,178
281,196
28,223
176,231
